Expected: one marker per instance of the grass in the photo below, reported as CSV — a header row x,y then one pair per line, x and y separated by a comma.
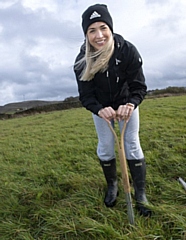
x,y
52,186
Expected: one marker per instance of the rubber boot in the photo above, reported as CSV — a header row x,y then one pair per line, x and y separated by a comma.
x,y
109,170
138,173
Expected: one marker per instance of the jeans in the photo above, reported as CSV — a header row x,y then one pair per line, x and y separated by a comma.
x,y
106,141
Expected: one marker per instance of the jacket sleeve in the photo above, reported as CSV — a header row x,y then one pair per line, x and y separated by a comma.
x,y
135,77
87,95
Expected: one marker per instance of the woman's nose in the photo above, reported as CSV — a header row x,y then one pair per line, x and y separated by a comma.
x,y
99,34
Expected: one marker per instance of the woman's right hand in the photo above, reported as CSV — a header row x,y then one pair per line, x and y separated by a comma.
x,y
107,113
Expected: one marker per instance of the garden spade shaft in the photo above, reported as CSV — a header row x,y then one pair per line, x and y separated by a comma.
x,y
124,171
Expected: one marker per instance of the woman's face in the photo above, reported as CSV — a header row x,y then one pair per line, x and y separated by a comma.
x,y
98,34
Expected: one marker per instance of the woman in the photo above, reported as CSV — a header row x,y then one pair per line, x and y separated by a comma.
x,y
111,85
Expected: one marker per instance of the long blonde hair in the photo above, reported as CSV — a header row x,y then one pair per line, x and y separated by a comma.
x,y
95,61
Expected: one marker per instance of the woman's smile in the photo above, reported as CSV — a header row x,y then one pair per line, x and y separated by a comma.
x,y
98,34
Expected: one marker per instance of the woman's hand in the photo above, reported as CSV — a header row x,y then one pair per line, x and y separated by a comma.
x,y
124,112
107,113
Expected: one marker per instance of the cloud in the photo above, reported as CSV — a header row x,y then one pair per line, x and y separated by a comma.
x,y
37,55
40,40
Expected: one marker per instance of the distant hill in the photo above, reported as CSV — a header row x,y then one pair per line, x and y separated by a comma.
x,y
22,106
29,107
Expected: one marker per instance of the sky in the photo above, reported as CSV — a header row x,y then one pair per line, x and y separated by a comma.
x,y
39,41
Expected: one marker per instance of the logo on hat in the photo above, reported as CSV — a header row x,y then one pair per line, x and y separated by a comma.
x,y
95,15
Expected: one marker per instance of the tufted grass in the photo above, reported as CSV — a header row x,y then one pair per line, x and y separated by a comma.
x,y
52,187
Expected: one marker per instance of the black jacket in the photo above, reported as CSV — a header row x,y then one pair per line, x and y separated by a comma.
x,y
123,82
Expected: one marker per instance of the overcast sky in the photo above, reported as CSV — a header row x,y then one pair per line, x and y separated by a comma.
x,y
39,41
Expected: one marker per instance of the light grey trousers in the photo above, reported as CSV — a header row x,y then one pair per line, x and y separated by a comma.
x,y
106,141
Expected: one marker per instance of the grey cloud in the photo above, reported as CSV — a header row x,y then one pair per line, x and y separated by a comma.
x,y
38,48
159,2
18,21
30,75
171,72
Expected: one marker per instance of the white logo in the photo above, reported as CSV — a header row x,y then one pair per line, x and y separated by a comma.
x,y
117,61
95,15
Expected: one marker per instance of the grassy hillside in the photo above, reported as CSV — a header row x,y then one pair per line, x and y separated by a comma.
x,y
52,186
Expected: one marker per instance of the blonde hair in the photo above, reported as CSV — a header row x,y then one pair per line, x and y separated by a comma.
x,y
95,61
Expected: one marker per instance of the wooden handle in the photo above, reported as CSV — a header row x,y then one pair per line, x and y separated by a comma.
x,y
123,162
122,158
125,178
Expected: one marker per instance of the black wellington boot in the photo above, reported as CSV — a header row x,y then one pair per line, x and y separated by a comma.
x,y
109,170
138,173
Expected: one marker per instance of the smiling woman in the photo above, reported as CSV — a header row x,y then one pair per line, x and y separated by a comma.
x,y
100,45
98,35
111,85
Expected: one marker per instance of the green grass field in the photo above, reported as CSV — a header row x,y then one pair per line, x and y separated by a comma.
x,y
52,186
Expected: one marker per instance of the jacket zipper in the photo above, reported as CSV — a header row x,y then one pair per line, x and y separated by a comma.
x,y
109,86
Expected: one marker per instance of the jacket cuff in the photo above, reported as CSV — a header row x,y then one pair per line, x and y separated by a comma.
x,y
132,100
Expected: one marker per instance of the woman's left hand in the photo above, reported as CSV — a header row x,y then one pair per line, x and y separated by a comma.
x,y
124,112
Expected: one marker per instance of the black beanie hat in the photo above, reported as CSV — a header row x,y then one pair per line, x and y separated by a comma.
x,y
96,13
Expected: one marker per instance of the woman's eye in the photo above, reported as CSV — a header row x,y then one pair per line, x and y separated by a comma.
x,y
104,28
